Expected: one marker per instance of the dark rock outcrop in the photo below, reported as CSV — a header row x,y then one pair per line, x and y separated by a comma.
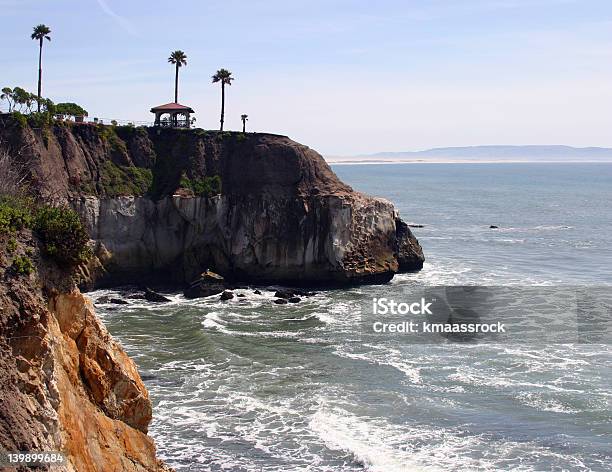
x,y
285,293
281,215
409,252
209,283
152,296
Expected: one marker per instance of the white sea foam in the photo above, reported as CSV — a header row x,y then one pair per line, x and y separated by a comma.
x,y
384,356
539,402
368,444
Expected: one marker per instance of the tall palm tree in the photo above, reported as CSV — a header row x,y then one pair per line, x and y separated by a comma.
x,y
179,58
225,77
244,119
40,32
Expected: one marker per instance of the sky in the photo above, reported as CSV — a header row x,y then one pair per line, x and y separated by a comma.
x,y
344,77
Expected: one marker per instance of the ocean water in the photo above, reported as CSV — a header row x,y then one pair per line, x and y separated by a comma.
x,y
247,385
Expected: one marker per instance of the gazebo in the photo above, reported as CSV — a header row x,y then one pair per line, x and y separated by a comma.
x,y
173,110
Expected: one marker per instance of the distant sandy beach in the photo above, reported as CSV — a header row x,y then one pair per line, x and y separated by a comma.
x,y
352,161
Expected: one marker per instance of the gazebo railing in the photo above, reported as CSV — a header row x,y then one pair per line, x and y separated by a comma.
x,y
173,123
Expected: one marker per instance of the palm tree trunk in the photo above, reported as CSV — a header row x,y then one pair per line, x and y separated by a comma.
x,y
176,84
243,126
222,103
39,72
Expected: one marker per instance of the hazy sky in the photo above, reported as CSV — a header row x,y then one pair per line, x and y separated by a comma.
x,y
343,76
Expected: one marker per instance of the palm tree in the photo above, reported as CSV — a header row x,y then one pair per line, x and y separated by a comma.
x,y
179,58
244,119
225,77
40,32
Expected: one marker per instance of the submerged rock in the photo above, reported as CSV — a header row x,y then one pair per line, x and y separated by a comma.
x,y
209,283
152,296
227,295
118,301
281,301
295,300
284,293
493,227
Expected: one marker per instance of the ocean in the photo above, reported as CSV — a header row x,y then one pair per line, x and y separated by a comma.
x,y
247,385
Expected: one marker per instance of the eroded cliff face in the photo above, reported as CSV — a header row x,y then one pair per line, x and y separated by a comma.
x,y
65,384
282,215
331,238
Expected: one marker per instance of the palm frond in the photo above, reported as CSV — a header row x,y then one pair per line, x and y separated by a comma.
x,y
41,32
224,76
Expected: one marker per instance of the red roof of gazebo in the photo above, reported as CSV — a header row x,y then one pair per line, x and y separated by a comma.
x,y
172,107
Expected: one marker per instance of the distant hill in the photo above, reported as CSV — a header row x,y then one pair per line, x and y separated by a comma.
x,y
538,153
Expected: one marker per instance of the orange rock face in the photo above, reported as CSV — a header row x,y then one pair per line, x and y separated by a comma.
x,y
65,384
105,416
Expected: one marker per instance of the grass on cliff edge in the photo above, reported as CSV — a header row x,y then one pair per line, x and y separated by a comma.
x,y
124,180
206,186
61,232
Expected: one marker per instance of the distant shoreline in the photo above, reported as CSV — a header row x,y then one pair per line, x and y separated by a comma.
x,y
487,154
457,161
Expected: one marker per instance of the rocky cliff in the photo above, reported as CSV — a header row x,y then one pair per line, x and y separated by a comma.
x,y
65,384
170,203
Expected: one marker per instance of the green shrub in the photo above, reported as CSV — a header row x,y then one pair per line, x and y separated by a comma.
x,y
206,186
117,145
109,134
15,214
124,180
88,188
60,230
223,134
105,132
20,118
129,131
63,235
40,120
11,246
23,265
141,178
